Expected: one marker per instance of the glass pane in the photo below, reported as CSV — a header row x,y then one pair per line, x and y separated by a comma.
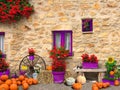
x,y
1,43
67,41
58,40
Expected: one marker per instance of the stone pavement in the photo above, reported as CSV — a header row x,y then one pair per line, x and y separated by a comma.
x,y
86,86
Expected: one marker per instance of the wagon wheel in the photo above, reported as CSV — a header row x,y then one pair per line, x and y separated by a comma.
x,y
31,66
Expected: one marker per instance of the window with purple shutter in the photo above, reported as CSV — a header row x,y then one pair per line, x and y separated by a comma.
x,y
2,34
63,38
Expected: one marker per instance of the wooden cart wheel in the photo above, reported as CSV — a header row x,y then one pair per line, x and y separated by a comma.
x,y
31,65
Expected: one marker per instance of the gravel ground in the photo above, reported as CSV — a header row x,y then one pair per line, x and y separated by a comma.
x,y
86,86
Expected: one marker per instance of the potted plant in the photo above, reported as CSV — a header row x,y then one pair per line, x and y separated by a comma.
x,y
89,61
58,56
31,52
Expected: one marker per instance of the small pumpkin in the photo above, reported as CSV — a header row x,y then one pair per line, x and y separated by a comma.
x,y
95,88
1,82
30,81
4,77
77,86
8,82
100,85
48,67
111,73
105,85
4,87
21,77
19,83
108,84
24,81
25,86
13,87
35,81
116,83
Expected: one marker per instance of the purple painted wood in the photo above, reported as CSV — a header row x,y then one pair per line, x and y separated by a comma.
x,y
87,25
62,33
2,33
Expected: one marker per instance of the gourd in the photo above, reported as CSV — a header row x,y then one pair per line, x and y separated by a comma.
x,y
70,81
81,79
77,86
13,87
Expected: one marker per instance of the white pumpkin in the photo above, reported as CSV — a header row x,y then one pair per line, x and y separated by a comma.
x,y
81,79
70,81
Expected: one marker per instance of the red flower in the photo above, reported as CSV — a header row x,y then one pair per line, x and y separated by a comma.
x,y
9,0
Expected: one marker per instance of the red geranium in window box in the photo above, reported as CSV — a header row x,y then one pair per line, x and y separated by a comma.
x,y
14,10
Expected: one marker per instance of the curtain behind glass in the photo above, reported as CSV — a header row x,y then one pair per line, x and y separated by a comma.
x,y
2,43
58,40
67,41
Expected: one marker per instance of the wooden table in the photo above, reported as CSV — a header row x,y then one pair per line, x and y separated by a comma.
x,y
101,72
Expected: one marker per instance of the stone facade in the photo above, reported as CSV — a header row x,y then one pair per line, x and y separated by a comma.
x,y
50,15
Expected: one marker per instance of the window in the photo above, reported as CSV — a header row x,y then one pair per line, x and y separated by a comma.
x,y
2,41
63,38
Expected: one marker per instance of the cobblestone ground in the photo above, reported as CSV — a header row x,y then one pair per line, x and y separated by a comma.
x,y
86,86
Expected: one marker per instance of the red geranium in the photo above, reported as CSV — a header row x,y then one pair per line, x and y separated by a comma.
x,y
89,58
58,56
13,10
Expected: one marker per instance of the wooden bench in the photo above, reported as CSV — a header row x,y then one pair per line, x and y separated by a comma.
x,y
101,72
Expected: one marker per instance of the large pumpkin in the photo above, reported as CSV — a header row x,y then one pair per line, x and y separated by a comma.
x,y
13,87
4,87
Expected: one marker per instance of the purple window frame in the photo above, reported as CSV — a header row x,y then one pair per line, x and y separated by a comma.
x,y
62,33
88,28
3,34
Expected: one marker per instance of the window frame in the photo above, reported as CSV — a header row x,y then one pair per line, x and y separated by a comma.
x,y
3,34
62,33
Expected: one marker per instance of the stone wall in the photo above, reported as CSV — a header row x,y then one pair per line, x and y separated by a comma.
x,y
49,15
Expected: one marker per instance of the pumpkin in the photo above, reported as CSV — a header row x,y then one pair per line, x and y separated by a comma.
x,y
95,88
116,82
105,85
14,82
48,67
19,83
8,82
100,85
81,79
94,85
4,87
35,81
77,86
25,86
4,77
1,82
111,73
108,84
24,81
13,87
21,77
30,81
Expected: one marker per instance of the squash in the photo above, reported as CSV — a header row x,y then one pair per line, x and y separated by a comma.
x,y
111,73
81,79
4,77
8,82
35,81
25,86
21,77
116,83
4,87
77,86
48,67
13,87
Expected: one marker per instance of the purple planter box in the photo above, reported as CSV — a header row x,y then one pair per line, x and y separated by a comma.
x,y
110,81
7,72
88,65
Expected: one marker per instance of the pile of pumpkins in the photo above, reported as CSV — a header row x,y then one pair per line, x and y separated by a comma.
x,y
7,83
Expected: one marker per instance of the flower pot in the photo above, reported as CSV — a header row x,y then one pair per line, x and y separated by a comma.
x,y
31,57
110,81
89,65
58,77
7,72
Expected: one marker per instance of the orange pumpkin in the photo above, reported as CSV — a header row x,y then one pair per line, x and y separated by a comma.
x,y
116,83
35,81
25,86
111,73
105,85
100,85
30,81
8,82
77,86
24,81
4,77
1,82
19,83
21,77
4,87
108,84
95,88
13,87
48,67
94,84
